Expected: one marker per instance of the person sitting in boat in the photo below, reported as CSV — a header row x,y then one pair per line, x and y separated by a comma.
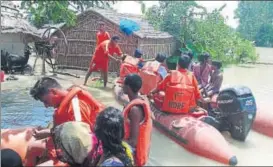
x,y
138,121
100,59
73,104
216,79
158,65
131,64
110,131
138,55
178,92
78,146
190,54
152,73
202,70
10,158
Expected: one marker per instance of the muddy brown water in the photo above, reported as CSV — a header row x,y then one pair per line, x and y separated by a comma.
x,y
256,150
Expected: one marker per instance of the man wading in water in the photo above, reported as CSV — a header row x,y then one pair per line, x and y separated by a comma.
x,y
100,59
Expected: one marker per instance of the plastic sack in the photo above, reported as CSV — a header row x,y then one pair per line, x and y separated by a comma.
x,y
128,26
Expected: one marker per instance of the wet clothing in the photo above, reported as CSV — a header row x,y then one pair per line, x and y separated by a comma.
x,y
102,36
202,73
100,59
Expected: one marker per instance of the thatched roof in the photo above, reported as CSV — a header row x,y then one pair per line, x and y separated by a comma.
x,y
146,29
13,23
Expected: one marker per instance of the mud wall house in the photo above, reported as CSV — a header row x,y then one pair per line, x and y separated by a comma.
x,y
15,31
82,38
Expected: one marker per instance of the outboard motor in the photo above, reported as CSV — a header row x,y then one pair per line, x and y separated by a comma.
x,y
237,108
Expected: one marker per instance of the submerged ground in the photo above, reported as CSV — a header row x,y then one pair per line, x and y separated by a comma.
x,y
256,150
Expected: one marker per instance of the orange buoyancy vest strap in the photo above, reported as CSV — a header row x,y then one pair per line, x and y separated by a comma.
x,y
142,103
145,130
75,102
72,96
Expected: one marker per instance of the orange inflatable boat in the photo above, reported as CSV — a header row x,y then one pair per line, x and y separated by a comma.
x,y
263,122
18,140
234,109
189,132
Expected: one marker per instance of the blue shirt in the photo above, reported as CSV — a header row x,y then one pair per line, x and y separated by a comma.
x,y
162,71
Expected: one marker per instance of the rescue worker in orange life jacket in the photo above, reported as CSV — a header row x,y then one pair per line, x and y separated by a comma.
x,y
73,104
178,82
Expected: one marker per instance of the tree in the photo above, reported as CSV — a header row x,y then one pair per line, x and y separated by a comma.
x,y
201,31
252,15
264,36
45,12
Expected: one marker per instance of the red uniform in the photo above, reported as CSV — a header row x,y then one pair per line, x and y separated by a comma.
x,y
78,105
181,92
102,36
100,58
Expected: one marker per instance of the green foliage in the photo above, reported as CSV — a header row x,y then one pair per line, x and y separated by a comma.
x,y
255,18
264,36
201,31
46,12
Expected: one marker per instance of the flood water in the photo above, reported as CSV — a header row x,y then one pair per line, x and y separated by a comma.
x,y
18,109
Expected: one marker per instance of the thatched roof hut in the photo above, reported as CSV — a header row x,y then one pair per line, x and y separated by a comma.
x,y
15,30
82,38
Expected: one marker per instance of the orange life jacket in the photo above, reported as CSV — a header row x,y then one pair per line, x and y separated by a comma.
x,y
145,130
73,95
179,93
150,77
128,66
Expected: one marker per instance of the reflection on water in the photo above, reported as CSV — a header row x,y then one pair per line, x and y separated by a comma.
x,y
18,109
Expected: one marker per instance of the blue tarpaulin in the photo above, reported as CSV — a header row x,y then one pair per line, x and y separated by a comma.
x,y
128,26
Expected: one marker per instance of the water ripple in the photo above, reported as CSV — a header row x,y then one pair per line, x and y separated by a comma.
x,y
18,109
